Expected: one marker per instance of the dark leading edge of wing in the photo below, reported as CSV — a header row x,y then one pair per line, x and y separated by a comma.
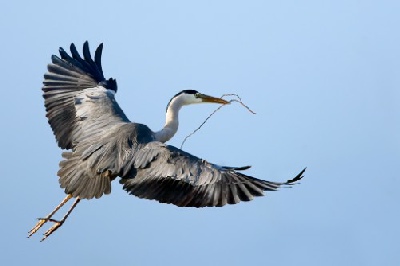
x,y
66,77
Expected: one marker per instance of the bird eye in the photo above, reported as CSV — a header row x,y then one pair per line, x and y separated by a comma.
x,y
197,95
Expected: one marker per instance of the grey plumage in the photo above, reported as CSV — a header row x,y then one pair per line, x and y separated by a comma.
x,y
66,79
104,144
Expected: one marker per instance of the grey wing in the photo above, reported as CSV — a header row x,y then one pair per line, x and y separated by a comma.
x,y
85,117
79,101
170,175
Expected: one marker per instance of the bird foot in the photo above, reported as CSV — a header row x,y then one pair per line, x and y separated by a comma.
x,y
41,222
37,226
56,225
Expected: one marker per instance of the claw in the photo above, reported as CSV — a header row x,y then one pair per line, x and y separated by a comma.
x,y
37,226
48,218
52,229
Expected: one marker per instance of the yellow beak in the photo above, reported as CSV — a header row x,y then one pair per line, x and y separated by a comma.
x,y
210,99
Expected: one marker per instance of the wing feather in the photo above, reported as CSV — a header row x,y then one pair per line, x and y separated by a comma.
x,y
170,175
80,104
88,170
97,57
70,77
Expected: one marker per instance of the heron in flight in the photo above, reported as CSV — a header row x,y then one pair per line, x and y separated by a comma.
x,y
103,144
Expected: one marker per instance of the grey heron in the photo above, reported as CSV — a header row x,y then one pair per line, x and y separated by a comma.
x,y
103,144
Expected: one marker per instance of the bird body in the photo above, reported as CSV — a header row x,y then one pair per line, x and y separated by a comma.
x,y
103,144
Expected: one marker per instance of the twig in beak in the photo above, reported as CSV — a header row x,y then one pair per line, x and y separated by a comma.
x,y
239,100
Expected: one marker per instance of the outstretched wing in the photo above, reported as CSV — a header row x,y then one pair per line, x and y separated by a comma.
x,y
170,175
79,101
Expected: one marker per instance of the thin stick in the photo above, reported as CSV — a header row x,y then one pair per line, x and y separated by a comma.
x,y
239,100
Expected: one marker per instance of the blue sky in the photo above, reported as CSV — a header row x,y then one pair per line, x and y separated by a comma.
x,y
323,77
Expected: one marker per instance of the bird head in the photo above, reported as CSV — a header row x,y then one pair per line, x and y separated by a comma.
x,y
187,97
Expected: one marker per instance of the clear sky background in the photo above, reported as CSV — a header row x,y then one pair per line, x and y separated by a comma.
x,y
323,77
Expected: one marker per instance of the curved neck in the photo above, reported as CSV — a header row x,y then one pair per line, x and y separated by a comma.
x,y
171,122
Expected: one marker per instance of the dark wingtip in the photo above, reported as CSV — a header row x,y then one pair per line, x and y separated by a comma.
x,y
86,47
99,50
296,178
97,57
241,168
73,49
110,84
63,53
87,64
